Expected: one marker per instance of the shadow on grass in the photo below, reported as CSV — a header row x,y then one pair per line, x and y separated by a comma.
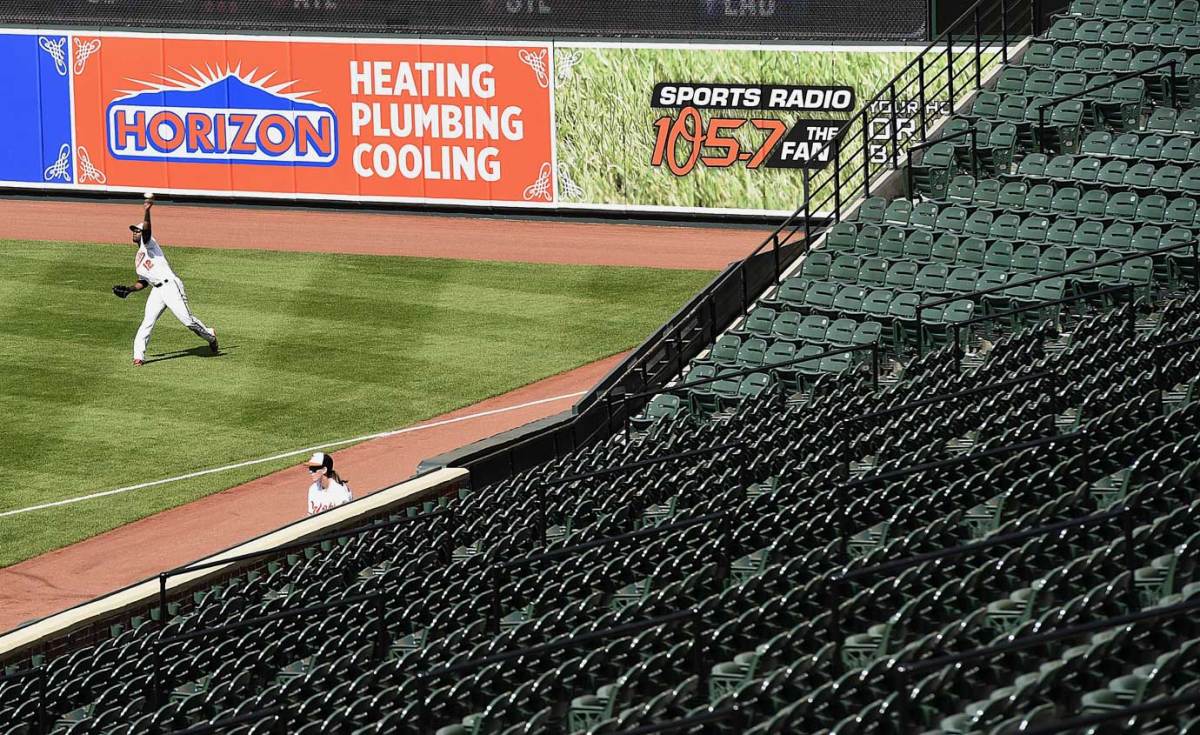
x,y
199,351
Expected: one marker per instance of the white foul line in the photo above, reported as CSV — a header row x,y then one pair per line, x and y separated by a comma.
x,y
285,455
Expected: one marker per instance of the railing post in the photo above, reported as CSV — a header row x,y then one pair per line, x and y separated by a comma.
x,y
866,153
895,126
1042,128
775,253
950,66
1174,73
381,637
162,600
806,182
978,52
921,94
1004,30
875,365
1130,559
920,331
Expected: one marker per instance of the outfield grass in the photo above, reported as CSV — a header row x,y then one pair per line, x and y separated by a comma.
x,y
316,347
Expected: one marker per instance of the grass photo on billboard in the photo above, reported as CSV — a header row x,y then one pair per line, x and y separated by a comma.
x,y
312,353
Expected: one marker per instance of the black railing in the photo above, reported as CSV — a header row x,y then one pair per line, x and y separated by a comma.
x,y
1007,539
903,673
1053,102
1030,281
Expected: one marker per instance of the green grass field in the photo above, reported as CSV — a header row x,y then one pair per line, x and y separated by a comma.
x,y
315,348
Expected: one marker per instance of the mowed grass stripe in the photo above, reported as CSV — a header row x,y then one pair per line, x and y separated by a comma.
x,y
318,347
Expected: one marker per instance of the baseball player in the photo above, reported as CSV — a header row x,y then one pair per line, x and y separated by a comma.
x,y
153,270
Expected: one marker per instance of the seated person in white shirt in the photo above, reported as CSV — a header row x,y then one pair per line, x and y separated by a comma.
x,y
328,489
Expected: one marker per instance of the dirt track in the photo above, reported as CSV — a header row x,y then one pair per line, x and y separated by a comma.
x,y
378,233
69,576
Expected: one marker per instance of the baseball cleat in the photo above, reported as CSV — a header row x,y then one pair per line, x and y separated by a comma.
x,y
213,345
137,363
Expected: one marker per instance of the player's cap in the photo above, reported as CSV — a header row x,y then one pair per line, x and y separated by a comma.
x,y
136,227
321,459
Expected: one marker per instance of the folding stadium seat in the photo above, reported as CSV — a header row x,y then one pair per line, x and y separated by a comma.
x,y
1112,174
1065,202
786,326
1053,260
1188,122
1162,120
788,295
962,280
1152,208
873,272
724,351
1177,149
1122,206
1011,79
1040,55
979,224
1140,273
1161,11
1139,35
813,329
1062,30
1090,60
1064,58
872,210
757,323
1166,178
932,175
1181,211
816,265
1081,9
1163,34
986,105
1026,258
902,275
845,269
660,408
938,327
997,156
1189,182
875,305
917,245
848,301
1049,290
1139,178
971,252
1059,168
1093,204
1005,227
1041,83
924,216
898,212
951,219
841,332
750,354
867,242
841,236
1061,232
1117,236
1186,11
1086,170
1126,145
891,245
987,193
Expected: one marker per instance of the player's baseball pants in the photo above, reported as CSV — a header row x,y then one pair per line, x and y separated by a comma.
x,y
170,295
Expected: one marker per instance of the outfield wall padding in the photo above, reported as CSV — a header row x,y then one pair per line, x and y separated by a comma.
x,y
683,128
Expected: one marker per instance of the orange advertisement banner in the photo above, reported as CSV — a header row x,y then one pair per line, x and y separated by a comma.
x,y
415,121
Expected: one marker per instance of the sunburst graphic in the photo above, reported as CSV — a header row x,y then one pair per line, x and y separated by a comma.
x,y
197,79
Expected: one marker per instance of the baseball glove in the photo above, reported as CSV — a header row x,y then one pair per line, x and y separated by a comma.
x,y
121,291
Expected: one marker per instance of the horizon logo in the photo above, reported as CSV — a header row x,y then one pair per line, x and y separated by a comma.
x,y
221,119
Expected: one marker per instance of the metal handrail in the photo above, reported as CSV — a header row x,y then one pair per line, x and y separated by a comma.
x,y
1055,101
1129,288
1194,245
952,396
903,673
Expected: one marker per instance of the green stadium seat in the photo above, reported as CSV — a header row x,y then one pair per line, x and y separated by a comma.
x,y
945,249
917,245
845,269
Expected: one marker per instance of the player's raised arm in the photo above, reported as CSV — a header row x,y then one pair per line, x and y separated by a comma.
x,y
146,205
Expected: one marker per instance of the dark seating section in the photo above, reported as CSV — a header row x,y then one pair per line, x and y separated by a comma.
x,y
735,568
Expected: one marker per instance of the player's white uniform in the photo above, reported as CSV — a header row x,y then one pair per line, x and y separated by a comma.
x,y
167,293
